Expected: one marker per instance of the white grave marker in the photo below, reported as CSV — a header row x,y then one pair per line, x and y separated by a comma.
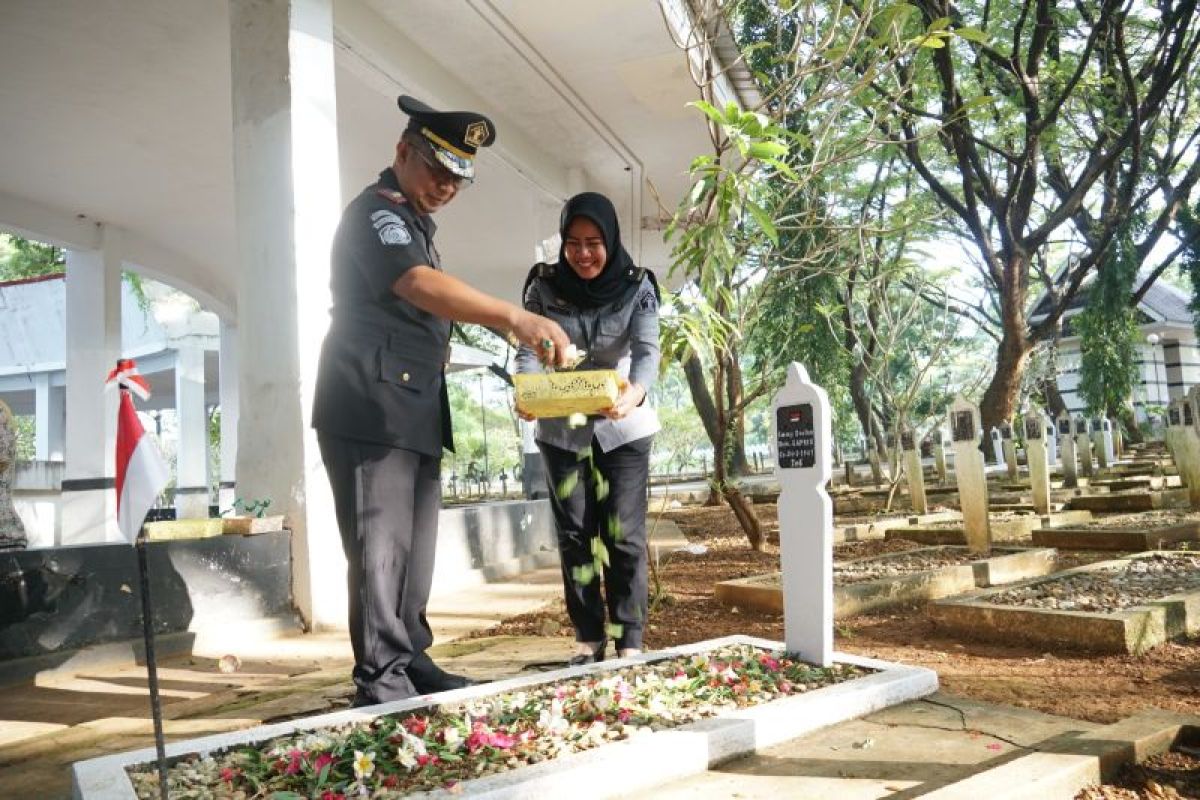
x,y
916,475
1009,448
1083,447
997,446
1171,437
972,481
1191,446
801,432
1066,444
940,443
1099,451
1051,442
1108,442
1039,468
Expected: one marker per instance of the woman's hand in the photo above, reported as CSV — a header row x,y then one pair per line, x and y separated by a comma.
x,y
631,396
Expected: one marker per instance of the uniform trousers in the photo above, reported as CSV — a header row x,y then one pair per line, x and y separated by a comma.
x,y
387,501
579,516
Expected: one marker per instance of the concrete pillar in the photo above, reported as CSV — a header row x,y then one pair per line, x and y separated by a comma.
x,y
915,471
940,443
997,445
801,430
191,457
287,203
969,471
227,377
1191,443
93,310
49,419
1035,457
1051,439
1099,451
1171,436
1083,447
1066,444
1009,448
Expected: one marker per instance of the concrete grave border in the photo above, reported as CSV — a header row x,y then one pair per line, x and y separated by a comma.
x,y
645,761
1116,538
1061,770
1127,501
764,593
1009,530
1133,630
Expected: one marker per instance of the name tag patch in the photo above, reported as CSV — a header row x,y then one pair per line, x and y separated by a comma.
x,y
390,228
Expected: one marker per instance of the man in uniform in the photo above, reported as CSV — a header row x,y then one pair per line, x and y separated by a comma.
x,y
381,410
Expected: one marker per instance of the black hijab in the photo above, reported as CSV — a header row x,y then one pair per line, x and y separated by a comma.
x,y
618,274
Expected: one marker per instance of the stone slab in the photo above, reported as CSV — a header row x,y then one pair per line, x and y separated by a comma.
x,y
1132,630
1118,502
649,761
1069,764
877,528
763,593
1138,539
1016,528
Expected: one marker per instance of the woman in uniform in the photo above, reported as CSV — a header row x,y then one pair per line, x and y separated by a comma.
x,y
609,310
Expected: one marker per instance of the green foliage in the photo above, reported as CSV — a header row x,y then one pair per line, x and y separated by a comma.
x,y
24,258
503,441
1109,331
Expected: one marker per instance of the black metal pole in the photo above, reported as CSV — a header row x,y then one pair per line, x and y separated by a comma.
x,y
151,664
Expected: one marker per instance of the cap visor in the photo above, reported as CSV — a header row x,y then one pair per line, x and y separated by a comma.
x,y
462,167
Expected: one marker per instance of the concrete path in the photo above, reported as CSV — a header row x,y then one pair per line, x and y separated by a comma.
x,y
898,753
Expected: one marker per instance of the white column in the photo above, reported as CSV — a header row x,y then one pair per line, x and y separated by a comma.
x,y
287,203
1035,456
969,472
916,474
802,433
191,457
227,376
1051,441
1009,449
1066,446
997,446
93,310
49,419
1083,447
939,453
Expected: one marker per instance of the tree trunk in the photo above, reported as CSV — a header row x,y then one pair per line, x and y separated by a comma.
x,y
1000,397
866,418
1128,420
743,509
697,382
1055,405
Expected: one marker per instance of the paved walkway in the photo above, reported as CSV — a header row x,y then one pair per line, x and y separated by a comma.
x,y
898,753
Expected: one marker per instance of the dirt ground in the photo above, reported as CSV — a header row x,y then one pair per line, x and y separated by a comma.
x,y
1097,688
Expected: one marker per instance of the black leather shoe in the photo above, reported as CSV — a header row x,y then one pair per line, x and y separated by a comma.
x,y
429,678
579,659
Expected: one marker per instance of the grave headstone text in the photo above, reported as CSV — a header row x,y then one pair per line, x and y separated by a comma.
x,y
969,471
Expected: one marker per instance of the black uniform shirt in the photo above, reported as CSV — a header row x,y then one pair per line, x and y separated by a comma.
x,y
381,373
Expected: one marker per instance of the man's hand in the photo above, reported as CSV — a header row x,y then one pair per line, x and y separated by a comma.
x,y
631,396
544,335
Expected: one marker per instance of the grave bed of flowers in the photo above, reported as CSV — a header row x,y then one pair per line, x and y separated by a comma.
x,y
439,747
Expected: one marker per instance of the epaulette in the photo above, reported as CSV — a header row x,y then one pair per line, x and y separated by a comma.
x,y
635,274
391,195
542,270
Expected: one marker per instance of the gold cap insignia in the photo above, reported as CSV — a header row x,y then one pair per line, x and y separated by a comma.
x,y
477,133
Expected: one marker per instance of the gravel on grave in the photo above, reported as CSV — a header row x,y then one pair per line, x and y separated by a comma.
x,y
1174,775
1144,520
905,563
1108,590
994,516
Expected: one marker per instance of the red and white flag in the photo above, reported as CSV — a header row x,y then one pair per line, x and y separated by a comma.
x,y
141,473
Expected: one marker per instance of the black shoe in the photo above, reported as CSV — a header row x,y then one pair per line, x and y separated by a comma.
x,y
429,678
579,659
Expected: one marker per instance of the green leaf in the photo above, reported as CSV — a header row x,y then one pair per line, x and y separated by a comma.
x,y
709,110
614,630
767,150
972,35
614,527
933,42
583,574
567,485
764,221
939,24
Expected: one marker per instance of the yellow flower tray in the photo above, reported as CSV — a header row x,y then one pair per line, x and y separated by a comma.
x,y
245,526
167,530
561,394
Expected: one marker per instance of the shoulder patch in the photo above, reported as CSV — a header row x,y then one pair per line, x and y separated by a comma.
x,y
390,228
647,300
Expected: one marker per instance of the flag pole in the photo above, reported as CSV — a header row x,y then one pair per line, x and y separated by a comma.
x,y
151,663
